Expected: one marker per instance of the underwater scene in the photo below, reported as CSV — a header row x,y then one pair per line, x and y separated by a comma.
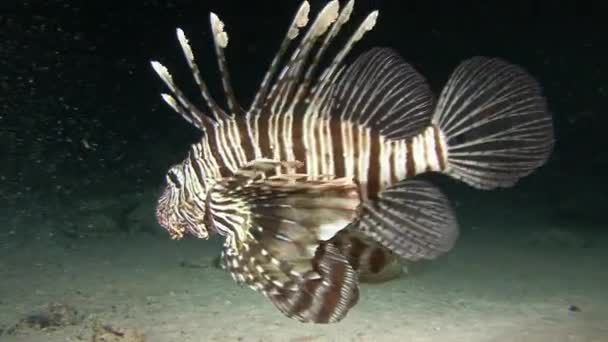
x,y
303,171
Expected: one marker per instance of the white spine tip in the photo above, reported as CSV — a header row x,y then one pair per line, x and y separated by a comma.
x,y
163,73
371,20
183,41
347,11
367,25
300,20
328,15
169,100
156,65
181,36
160,69
302,16
219,35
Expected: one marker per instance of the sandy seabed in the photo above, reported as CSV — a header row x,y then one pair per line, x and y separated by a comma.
x,y
492,287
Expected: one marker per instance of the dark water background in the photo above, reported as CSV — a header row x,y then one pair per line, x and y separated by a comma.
x,y
80,113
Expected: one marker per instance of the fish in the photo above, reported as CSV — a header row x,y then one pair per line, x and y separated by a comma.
x,y
313,186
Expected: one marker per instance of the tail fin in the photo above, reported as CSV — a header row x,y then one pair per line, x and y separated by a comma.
x,y
495,123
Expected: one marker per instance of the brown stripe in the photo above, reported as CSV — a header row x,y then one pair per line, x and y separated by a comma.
x,y
338,149
215,152
304,299
425,150
439,148
298,139
392,161
410,168
373,172
279,143
263,124
334,294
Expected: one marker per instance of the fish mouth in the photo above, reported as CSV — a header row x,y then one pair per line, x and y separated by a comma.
x,y
177,228
167,217
179,218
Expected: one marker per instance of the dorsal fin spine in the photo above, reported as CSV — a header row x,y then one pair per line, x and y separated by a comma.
x,y
217,112
299,21
220,40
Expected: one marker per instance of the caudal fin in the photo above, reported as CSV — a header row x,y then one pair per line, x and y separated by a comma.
x,y
495,123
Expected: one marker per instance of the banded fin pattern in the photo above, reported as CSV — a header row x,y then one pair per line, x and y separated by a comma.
x,y
325,299
277,242
372,262
381,104
495,123
382,92
412,218
489,128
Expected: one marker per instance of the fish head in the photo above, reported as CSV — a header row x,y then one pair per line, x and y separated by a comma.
x,y
181,206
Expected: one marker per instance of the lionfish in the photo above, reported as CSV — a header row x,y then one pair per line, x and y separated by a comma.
x,y
318,169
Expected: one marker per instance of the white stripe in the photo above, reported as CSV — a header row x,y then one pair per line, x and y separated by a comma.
x,y
347,144
385,162
432,157
418,154
363,156
400,157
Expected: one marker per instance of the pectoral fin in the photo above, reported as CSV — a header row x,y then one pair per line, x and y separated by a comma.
x,y
278,245
325,299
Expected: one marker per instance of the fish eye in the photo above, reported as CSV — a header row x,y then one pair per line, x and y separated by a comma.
x,y
174,179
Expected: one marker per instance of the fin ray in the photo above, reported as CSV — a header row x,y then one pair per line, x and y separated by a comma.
x,y
299,21
217,112
220,41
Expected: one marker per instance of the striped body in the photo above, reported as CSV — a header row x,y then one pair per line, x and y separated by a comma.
x,y
328,148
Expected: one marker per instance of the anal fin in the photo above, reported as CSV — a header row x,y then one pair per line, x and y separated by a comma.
x,y
413,219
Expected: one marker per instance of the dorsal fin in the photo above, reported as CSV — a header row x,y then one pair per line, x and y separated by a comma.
x,y
299,78
299,21
283,92
381,91
179,102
